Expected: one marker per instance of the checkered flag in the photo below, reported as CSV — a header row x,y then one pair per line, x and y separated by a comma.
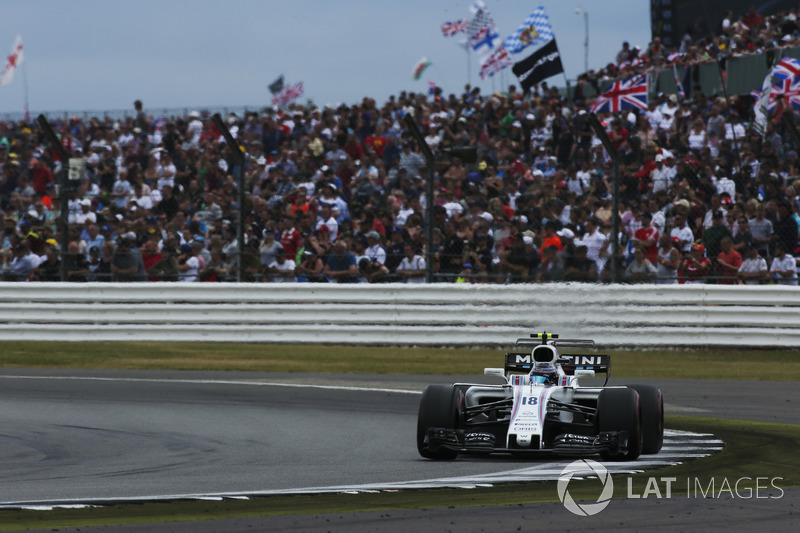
x,y
534,31
480,20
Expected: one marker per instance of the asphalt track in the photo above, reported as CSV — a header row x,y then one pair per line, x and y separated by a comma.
x,y
117,435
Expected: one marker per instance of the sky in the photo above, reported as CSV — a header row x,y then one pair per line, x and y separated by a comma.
x,y
95,55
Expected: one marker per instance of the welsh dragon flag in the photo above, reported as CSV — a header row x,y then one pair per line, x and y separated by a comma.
x,y
420,67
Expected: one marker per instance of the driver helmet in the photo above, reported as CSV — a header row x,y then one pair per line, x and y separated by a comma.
x,y
544,373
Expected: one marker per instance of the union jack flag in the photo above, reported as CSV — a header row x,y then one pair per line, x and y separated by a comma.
x,y
787,67
454,28
496,62
623,94
788,88
288,93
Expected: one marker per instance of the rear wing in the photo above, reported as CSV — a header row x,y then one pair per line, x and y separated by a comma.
x,y
597,362
523,363
536,339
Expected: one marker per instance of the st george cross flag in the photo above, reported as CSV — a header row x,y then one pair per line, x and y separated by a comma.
x,y
535,30
540,65
496,62
14,60
453,28
624,94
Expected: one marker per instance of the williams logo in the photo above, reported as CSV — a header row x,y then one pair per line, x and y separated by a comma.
x,y
581,469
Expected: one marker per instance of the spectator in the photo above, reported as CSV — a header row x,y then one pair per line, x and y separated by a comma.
x,y
641,270
712,237
93,264
49,269
682,232
761,230
785,228
669,259
371,272
311,267
579,267
412,267
696,267
269,248
374,250
784,267
728,262
282,268
126,262
166,269
595,242
188,264
75,263
753,269
552,266
341,265
647,236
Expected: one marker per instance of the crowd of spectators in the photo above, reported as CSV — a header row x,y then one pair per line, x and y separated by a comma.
x,y
522,193
750,33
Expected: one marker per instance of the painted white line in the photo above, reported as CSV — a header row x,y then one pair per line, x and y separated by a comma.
x,y
215,382
673,441
540,472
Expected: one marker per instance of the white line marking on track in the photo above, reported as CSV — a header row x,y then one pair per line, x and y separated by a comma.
x,y
674,441
216,382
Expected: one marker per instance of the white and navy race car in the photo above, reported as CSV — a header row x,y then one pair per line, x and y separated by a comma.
x,y
542,408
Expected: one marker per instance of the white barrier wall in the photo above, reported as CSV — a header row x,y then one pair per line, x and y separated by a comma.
x,y
436,314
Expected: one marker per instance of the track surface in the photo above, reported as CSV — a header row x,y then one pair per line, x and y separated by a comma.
x,y
128,434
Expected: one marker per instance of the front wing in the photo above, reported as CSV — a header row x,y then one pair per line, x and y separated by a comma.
x,y
608,443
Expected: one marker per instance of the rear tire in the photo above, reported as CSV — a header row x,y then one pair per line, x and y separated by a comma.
x,y
619,410
652,406
439,408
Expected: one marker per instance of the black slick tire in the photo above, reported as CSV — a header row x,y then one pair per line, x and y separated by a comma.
x,y
439,408
619,410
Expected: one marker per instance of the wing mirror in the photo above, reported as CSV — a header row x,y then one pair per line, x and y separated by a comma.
x,y
500,372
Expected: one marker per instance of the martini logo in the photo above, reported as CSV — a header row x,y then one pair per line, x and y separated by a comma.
x,y
581,469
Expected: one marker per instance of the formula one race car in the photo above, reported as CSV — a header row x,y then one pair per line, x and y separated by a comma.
x,y
542,409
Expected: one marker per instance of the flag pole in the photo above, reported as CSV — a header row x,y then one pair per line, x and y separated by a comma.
x,y
25,89
469,66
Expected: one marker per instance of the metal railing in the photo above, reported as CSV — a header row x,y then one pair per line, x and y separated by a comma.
x,y
395,314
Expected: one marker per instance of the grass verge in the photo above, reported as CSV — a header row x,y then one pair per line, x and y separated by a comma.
x,y
753,449
695,364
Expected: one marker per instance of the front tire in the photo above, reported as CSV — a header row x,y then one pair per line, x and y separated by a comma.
x,y
619,410
439,408
652,405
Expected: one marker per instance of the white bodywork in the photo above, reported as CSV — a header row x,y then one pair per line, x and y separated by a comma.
x,y
530,398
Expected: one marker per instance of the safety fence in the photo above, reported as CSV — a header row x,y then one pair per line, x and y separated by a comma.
x,y
399,314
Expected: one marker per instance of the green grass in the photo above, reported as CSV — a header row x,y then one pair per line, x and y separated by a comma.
x,y
753,449
699,364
